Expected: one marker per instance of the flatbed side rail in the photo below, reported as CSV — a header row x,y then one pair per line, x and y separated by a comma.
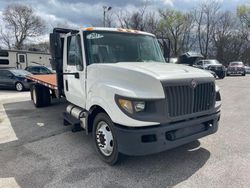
x,y
48,80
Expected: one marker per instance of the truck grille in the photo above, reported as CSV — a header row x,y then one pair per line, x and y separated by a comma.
x,y
215,68
185,99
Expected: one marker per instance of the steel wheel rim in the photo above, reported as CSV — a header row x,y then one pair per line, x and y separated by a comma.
x,y
19,87
104,138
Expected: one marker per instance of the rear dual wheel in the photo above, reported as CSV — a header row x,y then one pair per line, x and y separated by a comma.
x,y
40,95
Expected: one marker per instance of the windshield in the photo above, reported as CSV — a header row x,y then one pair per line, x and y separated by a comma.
x,y
20,72
212,62
236,63
113,47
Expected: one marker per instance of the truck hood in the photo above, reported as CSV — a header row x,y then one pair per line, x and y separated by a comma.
x,y
162,71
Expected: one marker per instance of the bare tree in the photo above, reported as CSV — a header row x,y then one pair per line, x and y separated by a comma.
x,y
5,38
21,23
243,12
176,26
151,23
205,17
222,36
134,20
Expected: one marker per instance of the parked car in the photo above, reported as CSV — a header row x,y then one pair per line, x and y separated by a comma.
x,y
191,58
14,79
247,69
212,65
236,67
39,70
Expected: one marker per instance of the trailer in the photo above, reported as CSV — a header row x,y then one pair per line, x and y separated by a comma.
x,y
21,59
121,90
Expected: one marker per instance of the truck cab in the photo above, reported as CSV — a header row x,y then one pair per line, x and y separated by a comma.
x,y
122,91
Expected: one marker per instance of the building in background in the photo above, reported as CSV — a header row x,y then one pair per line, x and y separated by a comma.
x,y
21,59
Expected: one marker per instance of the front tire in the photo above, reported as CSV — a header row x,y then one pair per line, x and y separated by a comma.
x,y
105,139
222,75
19,86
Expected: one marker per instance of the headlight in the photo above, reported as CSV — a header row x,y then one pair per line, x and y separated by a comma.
x,y
131,106
217,88
218,97
126,105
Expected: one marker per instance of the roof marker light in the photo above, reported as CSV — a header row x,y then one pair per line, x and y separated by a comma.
x,y
89,29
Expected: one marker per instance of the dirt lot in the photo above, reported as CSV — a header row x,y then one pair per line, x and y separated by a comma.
x,y
36,150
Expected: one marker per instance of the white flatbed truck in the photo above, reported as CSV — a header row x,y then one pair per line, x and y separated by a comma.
x,y
122,91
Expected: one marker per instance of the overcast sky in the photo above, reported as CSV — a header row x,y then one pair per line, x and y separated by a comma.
x,y
85,12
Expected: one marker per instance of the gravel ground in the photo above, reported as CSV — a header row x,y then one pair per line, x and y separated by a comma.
x,y
36,150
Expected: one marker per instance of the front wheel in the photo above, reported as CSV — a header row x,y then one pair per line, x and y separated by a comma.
x,y
222,75
19,86
105,139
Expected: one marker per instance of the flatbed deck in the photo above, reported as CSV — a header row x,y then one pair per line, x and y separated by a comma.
x,y
48,80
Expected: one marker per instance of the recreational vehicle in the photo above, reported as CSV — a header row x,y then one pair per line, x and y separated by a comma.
x,y
21,59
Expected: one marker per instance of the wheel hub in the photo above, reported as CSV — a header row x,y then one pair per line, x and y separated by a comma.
x,y
104,138
19,86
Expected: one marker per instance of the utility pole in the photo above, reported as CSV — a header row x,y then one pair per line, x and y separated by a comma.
x,y
105,9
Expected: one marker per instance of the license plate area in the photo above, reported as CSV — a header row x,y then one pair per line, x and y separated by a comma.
x,y
187,131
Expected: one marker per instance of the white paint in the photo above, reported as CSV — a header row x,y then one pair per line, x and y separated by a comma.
x,y
9,182
7,133
99,83
40,124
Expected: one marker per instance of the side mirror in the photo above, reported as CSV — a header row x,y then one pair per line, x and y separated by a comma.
x,y
10,76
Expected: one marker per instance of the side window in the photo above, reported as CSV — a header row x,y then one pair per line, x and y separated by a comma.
x,y
74,51
35,70
199,63
71,51
44,71
79,62
5,74
4,62
4,53
1,74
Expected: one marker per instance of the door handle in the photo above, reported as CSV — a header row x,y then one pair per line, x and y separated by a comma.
x,y
76,74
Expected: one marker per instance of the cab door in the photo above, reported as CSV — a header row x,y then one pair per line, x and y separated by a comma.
x,y
74,74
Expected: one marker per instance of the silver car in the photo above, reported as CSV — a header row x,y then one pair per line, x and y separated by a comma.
x,y
236,67
247,69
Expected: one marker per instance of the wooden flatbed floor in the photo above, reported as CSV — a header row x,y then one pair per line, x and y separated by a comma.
x,y
48,80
